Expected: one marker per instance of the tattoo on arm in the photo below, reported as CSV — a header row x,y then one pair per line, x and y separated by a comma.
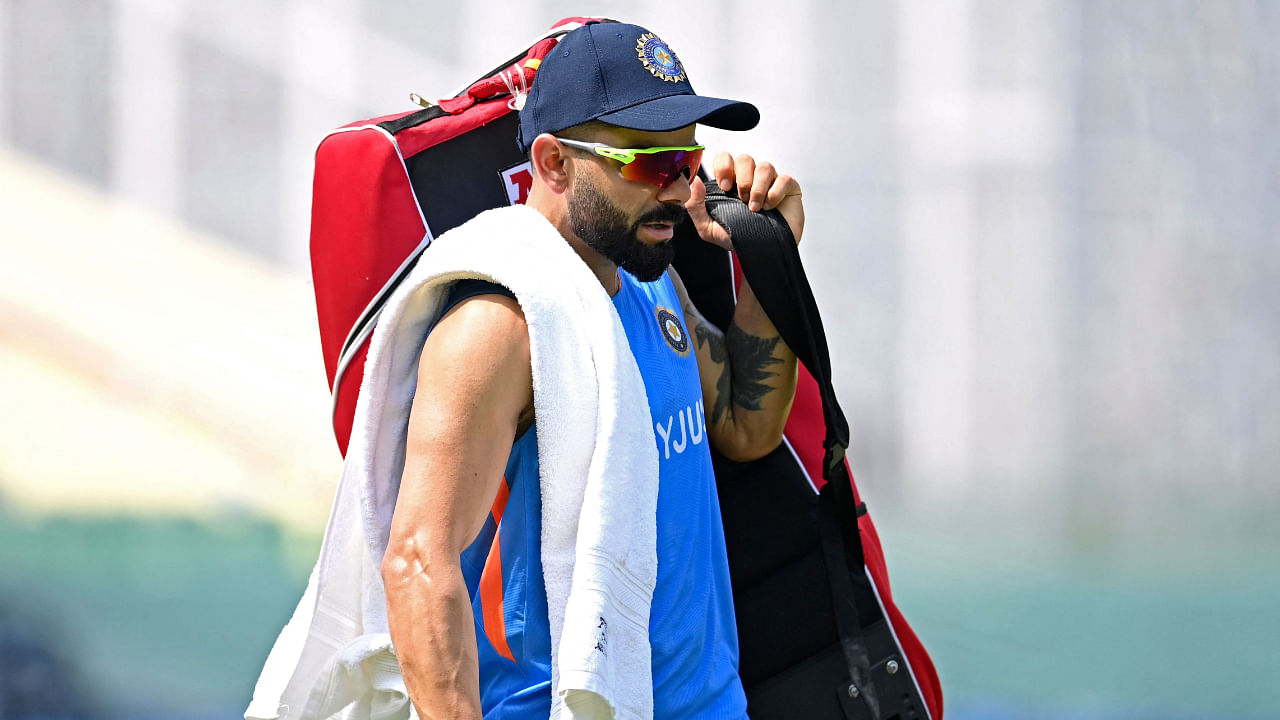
x,y
708,336
750,358
745,361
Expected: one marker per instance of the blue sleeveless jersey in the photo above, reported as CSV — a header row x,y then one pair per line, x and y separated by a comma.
x,y
691,626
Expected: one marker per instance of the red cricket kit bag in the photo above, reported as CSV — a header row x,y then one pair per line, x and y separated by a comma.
x,y
820,635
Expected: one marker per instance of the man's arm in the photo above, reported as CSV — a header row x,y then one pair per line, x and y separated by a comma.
x,y
748,373
474,382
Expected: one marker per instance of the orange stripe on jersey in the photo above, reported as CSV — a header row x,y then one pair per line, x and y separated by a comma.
x,y
491,601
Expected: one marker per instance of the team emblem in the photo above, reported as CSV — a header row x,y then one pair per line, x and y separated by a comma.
x,y
673,331
658,58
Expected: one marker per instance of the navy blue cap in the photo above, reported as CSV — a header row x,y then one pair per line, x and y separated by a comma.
x,y
623,75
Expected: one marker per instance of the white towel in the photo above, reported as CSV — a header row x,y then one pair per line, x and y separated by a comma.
x,y
599,481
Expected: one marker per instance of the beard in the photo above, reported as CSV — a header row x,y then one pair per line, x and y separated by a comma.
x,y
604,228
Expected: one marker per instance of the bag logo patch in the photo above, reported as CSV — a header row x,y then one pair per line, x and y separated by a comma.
x,y
658,59
672,331
518,181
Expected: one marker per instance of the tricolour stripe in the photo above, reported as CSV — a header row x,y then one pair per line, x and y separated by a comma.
x,y
491,600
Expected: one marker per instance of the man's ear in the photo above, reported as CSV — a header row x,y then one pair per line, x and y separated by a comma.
x,y
549,160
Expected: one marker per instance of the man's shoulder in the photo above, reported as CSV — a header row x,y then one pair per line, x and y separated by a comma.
x,y
475,308
484,335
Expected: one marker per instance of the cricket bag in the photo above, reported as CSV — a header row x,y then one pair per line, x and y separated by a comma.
x,y
819,633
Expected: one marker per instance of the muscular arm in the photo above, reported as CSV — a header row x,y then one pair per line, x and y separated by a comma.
x,y
748,376
748,373
474,382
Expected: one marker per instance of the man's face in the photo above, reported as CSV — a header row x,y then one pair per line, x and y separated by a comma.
x,y
629,223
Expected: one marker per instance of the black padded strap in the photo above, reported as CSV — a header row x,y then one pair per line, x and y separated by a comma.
x,y
766,248
770,260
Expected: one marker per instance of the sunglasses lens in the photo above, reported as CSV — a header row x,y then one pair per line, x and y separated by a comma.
x,y
662,168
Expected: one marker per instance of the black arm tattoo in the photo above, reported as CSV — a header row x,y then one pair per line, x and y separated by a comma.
x,y
749,360
745,361
706,335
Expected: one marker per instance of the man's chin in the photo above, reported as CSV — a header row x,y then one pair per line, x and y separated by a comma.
x,y
653,264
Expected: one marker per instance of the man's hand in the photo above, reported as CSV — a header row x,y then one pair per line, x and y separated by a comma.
x,y
759,186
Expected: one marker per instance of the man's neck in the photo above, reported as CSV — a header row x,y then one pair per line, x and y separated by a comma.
x,y
603,268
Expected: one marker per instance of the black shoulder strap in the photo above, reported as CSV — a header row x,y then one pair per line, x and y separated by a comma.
x,y
766,248
771,261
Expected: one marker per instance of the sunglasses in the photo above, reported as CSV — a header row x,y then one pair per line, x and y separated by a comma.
x,y
656,165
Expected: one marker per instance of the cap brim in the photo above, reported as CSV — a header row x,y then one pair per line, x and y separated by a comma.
x,y
676,111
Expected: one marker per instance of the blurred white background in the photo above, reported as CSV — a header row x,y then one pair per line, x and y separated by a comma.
x,y
1043,235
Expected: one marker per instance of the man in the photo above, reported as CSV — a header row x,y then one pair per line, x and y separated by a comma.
x,y
609,125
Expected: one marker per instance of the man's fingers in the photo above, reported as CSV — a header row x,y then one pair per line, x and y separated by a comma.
x,y
722,168
783,187
708,229
696,204
744,167
761,184
697,208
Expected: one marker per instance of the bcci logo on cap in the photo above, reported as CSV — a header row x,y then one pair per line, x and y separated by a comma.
x,y
658,58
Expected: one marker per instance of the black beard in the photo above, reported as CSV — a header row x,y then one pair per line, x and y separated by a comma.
x,y
603,227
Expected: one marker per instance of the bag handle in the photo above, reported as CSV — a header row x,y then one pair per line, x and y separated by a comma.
x,y
516,75
508,78
511,79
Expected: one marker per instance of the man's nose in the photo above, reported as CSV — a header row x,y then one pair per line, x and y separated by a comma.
x,y
678,191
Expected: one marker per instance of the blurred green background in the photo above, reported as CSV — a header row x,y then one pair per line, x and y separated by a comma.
x,y
172,617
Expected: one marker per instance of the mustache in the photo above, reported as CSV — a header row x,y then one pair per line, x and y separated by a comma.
x,y
673,213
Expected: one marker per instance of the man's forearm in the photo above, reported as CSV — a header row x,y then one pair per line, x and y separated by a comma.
x,y
755,382
761,365
429,615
